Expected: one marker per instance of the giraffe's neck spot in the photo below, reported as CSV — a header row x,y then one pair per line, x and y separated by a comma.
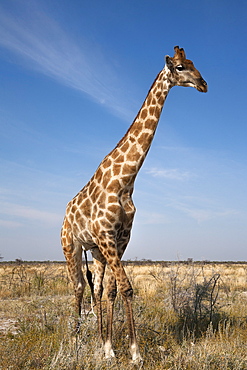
x,y
107,162
144,114
116,169
119,159
113,186
124,147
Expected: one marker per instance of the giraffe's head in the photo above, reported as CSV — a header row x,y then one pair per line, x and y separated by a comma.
x,y
183,72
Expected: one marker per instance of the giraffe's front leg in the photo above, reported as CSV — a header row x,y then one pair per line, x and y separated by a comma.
x,y
110,253
134,348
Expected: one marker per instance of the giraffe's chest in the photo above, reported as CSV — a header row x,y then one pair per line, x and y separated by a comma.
x,y
110,214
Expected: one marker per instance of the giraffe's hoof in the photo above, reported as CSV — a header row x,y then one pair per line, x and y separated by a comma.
x,y
137,361
109,353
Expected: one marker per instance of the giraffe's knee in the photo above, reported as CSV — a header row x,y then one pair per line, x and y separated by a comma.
x,y
127,292
112,293
111,288
79,290
81,286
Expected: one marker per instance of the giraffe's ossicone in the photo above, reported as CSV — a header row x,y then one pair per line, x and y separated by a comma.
x,y
99,218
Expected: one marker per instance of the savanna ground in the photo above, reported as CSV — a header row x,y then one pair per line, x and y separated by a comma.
x,y
188,316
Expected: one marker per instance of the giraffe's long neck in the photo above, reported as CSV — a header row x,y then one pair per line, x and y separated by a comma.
x,y
141,133
124,162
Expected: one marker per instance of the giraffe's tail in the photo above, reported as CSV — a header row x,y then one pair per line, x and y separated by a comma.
x,y
89,276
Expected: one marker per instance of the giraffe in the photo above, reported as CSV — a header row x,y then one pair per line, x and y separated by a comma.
x,y
99,218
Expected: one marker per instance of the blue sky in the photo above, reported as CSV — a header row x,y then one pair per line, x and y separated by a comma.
x,y
74,75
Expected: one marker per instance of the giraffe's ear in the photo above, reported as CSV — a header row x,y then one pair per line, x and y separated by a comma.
x,y
169,63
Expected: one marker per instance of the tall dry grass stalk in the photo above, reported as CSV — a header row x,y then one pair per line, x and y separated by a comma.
x,y
188,316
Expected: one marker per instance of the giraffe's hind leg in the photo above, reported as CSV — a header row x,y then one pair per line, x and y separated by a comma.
x,y
73,254
111,296
99,271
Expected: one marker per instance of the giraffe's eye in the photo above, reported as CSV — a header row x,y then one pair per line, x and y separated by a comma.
x,y
180,67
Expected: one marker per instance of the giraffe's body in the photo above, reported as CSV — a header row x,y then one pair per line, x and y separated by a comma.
x,y
99,218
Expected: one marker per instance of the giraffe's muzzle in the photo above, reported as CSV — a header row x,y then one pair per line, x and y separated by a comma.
x,y
202,86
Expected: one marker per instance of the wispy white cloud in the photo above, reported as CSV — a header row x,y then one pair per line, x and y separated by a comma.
x,y
42,44
22,213
171,174
151,218
205,210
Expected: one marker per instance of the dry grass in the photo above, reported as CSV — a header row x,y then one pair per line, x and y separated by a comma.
x,y
188,316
